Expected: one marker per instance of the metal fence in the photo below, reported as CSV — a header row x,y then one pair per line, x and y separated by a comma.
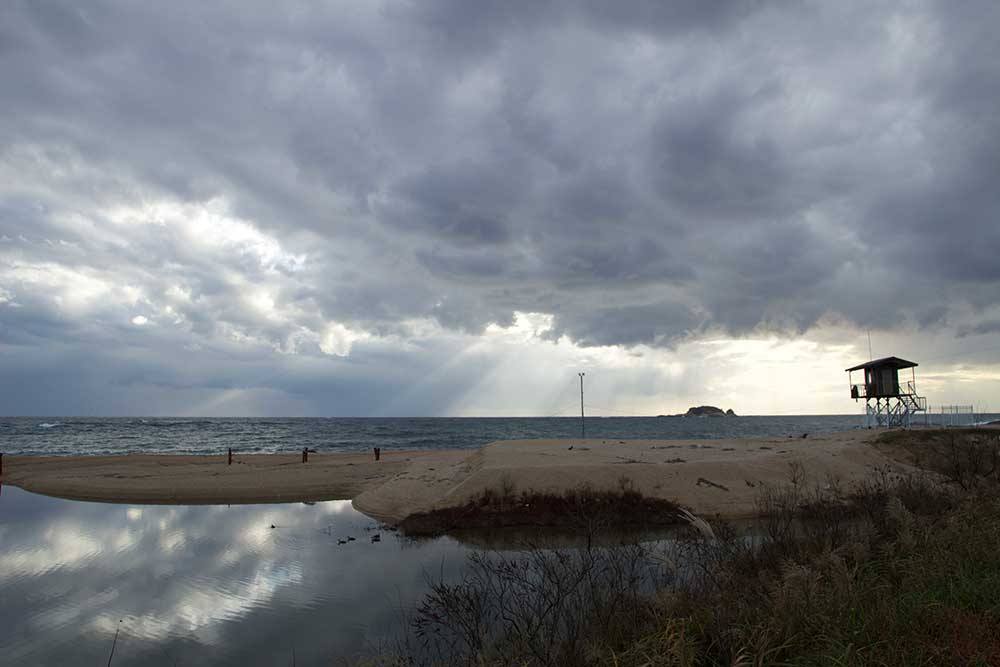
x,y
951,415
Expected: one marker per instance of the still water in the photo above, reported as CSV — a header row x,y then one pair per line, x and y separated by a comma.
x,y
187,585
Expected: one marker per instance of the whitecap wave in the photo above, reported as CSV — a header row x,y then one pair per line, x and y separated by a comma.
x,y
48,425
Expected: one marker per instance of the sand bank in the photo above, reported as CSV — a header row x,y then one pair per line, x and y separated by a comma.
x,y
707,476
163,479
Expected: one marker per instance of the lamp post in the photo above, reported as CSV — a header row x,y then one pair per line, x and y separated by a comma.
x,y
583,428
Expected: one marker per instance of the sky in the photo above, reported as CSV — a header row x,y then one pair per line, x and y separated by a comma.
x,y
445,208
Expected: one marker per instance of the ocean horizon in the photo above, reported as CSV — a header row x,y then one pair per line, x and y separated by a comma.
x,y
66,436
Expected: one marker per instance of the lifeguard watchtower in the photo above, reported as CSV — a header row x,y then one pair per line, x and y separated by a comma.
x,y
886,403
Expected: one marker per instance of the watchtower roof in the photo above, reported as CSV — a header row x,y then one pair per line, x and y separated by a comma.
x,y
885,362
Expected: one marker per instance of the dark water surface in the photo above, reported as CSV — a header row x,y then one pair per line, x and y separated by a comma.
x,y
217,585
202,585
94,435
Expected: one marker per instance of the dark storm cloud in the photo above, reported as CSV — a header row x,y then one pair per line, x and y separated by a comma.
x,y
979,329
696,163
655,323
465,204
643,172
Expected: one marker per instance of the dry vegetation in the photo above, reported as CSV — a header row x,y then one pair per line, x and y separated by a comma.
x,y
583,510
894,571
968,458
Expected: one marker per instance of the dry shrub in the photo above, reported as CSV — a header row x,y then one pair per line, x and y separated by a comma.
x,y
584,510
539,607
968,457
865,575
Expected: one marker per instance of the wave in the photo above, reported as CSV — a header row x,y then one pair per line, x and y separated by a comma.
x,y
182,423
94,435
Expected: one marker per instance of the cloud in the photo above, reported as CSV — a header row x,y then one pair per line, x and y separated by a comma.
x,y
979,329
321,183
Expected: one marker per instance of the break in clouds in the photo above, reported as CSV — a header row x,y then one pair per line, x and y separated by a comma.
x,y
395,208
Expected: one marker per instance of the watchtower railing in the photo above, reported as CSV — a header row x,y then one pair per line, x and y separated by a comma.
x,y
862,391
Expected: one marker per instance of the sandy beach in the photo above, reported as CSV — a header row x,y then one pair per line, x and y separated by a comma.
x,y
258,478
708,476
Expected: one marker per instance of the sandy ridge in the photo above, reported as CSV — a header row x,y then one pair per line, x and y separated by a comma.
x,y
709,476
166,479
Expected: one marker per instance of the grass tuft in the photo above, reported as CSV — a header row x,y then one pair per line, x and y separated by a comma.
x,y
583,510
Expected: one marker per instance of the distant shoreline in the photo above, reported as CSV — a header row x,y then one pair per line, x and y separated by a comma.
x,y
713,477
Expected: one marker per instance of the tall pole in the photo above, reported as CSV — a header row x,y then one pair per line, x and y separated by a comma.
x,y
583,428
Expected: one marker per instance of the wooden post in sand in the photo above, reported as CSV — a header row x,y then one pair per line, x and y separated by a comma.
x,y
305,454
230,456
378,452
1,463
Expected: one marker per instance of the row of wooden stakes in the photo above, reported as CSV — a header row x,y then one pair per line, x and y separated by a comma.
x,y
305,456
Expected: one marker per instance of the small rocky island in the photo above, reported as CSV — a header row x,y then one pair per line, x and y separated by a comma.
x,y
709,411
705,411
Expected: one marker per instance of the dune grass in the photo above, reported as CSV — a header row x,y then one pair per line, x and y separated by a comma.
x,y
583,510
925,592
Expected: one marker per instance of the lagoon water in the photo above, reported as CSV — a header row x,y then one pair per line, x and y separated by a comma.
x,y
188,585
216,584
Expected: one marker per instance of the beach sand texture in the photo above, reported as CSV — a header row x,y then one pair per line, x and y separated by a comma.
x,y
708,476
168,479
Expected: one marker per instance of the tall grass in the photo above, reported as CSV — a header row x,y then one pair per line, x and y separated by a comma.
x,y
897,570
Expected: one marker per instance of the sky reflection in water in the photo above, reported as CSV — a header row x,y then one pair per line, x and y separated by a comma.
x,y
201,584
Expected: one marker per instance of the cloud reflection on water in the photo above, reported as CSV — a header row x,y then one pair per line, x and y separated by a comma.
x,y
193,584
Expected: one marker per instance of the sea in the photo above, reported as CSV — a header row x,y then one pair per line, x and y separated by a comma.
x,y
65,436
